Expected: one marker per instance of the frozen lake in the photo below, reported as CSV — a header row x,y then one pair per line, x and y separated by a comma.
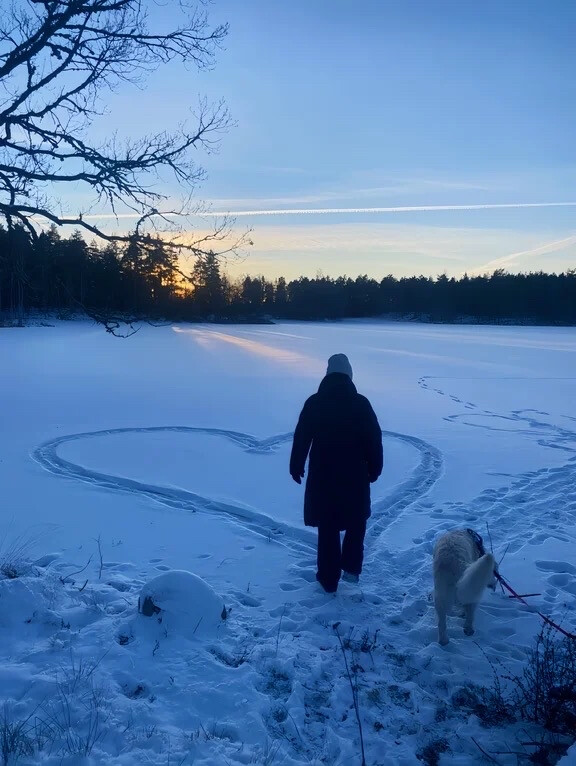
x,y
172,447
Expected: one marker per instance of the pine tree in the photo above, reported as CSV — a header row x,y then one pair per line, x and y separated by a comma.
x,y
281,297
208,296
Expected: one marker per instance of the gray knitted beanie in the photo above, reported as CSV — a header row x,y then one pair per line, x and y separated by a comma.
x,y
339,363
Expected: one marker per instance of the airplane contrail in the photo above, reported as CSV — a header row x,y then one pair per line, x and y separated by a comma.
x,y
406,209
549,247
345,210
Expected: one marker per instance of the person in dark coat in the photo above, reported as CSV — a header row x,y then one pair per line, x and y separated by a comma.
x,y
340,430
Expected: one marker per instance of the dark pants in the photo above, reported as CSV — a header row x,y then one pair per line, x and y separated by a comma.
x,y
334,556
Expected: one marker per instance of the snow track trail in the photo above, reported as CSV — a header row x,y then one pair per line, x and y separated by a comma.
x,y
385,509
423,478
556,432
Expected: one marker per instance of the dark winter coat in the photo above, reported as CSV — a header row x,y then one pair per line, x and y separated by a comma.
x,y
340,430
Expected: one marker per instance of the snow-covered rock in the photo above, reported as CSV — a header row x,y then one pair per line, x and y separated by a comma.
x,y
183,602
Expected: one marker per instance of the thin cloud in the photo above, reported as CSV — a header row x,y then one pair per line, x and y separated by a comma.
x,y
347,194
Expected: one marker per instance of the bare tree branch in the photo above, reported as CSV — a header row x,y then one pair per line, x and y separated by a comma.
x,y
57,59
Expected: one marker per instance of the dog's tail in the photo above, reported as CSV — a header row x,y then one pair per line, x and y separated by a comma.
x,y
477,576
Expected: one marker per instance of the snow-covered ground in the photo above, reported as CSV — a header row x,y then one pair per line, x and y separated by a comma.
x,y
122,460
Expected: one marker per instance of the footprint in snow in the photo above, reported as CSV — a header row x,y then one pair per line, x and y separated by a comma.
x,y
307,575
246,599
560,580
556,566
564,582
370,598
502,631
500,612
120,566
539,539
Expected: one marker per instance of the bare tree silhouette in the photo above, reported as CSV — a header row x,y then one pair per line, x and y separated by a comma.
x,y
58,58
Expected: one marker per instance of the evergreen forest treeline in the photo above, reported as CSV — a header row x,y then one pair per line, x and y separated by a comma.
x,y
68,275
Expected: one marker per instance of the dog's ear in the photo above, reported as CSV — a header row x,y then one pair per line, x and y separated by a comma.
x,y
494,580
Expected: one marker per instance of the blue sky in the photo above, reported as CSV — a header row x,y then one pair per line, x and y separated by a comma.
x,y
343,104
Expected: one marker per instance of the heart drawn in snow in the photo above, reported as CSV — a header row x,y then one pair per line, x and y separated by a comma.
x,y
208,469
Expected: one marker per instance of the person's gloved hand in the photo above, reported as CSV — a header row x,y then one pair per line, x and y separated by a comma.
x,y
297,477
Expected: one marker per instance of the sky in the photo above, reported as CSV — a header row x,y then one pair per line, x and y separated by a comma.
x,y
351,106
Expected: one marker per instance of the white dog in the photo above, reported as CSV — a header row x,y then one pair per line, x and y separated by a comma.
x,y
462,569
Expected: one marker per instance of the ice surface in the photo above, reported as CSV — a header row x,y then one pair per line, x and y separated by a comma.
x,y
125,460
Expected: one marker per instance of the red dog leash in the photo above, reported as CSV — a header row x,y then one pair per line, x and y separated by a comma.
x,y
547,620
